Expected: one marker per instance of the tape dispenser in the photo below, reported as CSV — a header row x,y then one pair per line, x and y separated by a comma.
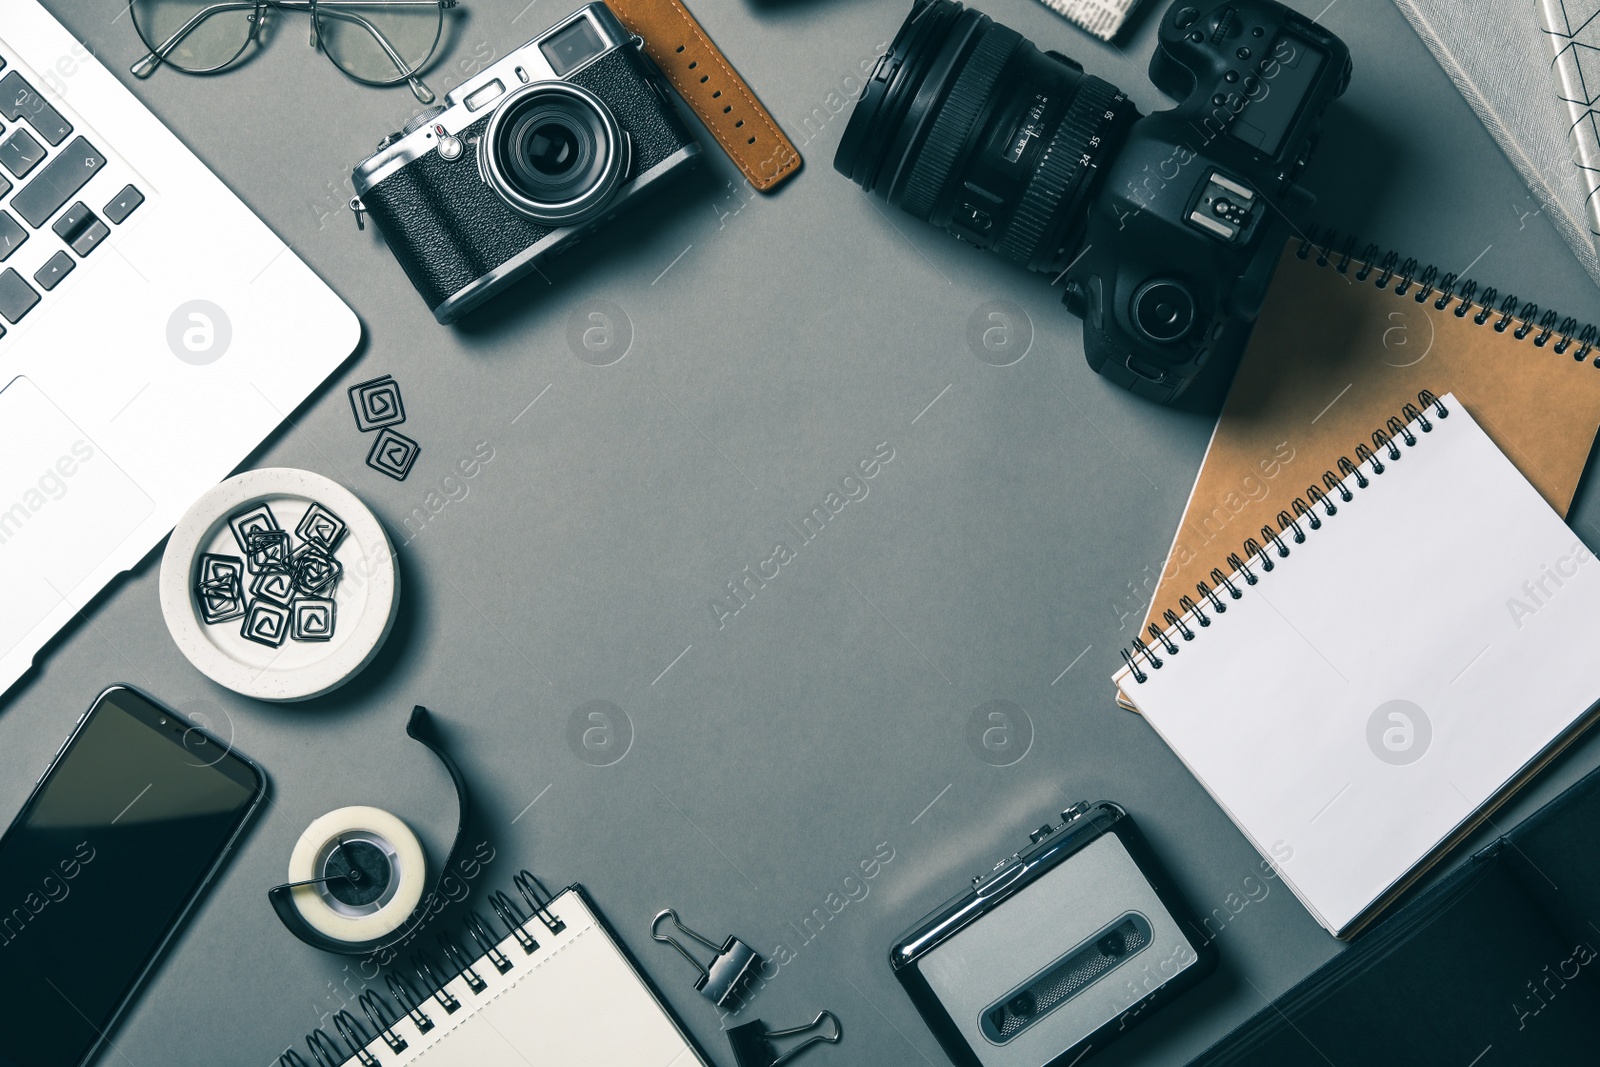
x,y
358,875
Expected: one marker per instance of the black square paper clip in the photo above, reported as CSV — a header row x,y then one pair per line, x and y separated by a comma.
x,y
752,1041
730,969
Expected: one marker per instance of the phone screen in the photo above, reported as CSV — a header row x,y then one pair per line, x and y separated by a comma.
x,y
101,864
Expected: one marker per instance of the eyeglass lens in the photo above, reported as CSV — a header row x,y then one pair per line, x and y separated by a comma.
x,y
379,42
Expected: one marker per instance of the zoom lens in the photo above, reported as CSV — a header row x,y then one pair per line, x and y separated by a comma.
x,y
554,152
965,124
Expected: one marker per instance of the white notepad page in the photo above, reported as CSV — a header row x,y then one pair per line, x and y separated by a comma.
x,y
1448,585
575,1001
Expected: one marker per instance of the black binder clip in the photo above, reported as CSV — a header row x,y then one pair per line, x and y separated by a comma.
x,y
730,969
752,1045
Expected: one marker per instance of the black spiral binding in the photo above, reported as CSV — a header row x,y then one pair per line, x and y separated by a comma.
x,y
430,973
1427,284
1307,512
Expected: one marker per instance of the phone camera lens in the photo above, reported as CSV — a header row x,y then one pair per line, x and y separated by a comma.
x,y
1022,1005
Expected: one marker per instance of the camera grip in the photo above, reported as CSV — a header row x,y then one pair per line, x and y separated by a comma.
x,y
412,209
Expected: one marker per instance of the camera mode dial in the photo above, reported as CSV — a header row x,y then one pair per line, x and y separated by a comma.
x,y
422,118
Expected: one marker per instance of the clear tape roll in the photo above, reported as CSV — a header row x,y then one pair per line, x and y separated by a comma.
x,y
349,911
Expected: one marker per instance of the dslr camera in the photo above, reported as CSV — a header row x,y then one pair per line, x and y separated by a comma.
x,y
523,160
1165,228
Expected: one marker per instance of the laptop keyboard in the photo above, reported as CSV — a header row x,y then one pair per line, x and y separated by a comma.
x,y
45,163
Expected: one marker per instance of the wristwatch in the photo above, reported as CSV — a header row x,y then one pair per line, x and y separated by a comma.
x,y
713,89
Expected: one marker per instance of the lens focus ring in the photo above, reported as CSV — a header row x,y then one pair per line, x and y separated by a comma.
x,y
955,119
1059,169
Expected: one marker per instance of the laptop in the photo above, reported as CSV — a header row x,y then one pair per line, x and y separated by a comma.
x,y
154,331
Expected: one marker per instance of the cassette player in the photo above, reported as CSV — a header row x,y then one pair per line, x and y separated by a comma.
x,y
1056,950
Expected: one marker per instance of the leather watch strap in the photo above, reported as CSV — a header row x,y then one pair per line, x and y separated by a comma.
x,y
707,81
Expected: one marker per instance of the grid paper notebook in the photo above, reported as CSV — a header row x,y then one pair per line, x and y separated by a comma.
x,y
1573,29
574,999
1387,670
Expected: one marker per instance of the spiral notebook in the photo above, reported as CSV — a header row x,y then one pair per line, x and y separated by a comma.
x,y
1376,673
1342,342
545,981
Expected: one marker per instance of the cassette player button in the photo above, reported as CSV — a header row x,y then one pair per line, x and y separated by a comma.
x,y
1005,872
1041,833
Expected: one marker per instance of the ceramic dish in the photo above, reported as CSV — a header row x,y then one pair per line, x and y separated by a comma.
x,y
365,597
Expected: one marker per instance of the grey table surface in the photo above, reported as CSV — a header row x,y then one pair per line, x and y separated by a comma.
x,y
773,342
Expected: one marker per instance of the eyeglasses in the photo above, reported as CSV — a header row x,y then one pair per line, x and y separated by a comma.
x,y
376,42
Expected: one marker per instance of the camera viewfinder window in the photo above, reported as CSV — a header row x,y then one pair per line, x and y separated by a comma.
x,y
572,47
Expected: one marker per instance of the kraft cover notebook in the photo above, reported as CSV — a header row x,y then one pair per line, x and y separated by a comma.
x,y
1375,679
1342,342
545,981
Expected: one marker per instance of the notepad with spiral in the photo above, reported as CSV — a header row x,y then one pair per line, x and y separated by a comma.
x,y
543,981
1381,666
1347,335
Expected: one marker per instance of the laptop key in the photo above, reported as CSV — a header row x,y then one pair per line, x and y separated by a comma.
x,y
55,268
90,238
16,296
5,186
21,153
19,100
123,204
57,182
72,220
11,235
81,228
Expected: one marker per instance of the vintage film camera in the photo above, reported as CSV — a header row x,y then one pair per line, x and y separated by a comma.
x,y
1055,951
1166,227
523,160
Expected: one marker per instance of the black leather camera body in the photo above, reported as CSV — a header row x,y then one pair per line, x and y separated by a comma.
x,y
1166,228
1195,208
523,160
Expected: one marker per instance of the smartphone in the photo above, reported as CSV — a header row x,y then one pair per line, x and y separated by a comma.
x,y
131,821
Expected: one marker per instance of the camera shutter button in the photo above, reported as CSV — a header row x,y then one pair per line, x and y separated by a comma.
x,y
449,144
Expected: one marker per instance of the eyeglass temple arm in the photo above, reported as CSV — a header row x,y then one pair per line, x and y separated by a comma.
x,y
151,60
418,88
311,6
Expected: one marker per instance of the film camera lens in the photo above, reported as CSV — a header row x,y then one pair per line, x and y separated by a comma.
x,y
967,125
554,152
